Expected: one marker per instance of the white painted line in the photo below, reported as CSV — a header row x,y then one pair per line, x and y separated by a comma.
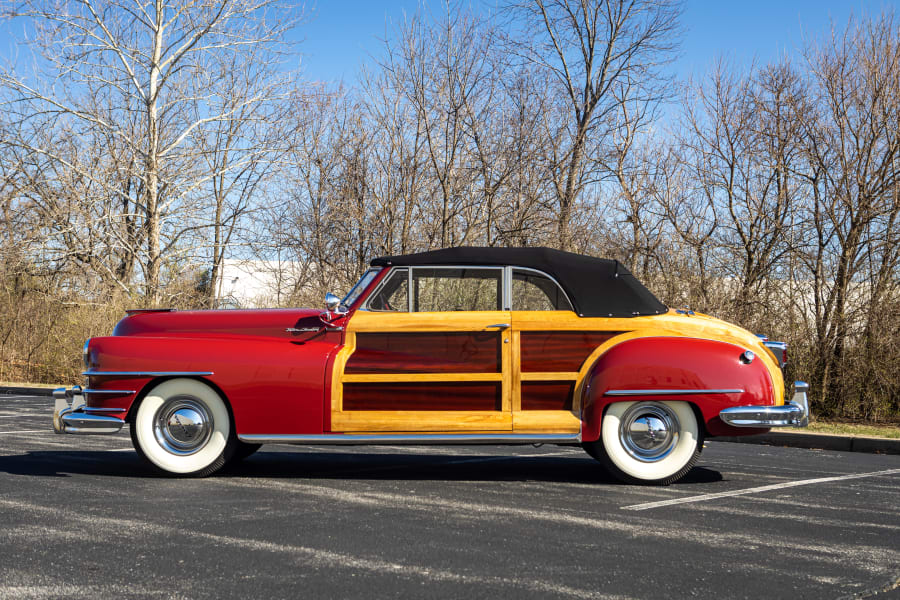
x,y
27,431
756,490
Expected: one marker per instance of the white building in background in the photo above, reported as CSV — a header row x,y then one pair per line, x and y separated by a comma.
x,y
256,283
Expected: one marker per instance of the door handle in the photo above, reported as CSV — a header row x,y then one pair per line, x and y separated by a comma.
x,y
499,325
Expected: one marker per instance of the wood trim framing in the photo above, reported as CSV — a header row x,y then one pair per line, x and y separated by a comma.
x,y
511,417
413,377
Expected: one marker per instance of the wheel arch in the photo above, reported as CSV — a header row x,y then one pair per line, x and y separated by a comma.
x,y
152,383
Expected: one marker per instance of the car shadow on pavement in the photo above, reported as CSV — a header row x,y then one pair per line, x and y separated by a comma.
x,y
65,463
450,467
342,465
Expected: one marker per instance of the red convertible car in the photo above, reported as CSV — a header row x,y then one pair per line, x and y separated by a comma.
x,y
454,346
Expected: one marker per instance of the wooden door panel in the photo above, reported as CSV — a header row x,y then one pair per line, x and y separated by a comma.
x,y
423,372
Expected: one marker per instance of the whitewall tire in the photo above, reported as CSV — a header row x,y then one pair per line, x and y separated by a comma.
x,y
182,427
648,442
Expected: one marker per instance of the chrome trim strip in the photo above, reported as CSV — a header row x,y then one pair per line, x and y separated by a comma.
x,y
793,414
669,392
93,372
423,439
93,409
539,272
114,392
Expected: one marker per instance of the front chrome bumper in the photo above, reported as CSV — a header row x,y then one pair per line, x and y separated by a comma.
x,y
792,414
73,418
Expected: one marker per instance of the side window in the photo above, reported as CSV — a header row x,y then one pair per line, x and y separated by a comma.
x,y
533,291
456,289
393,295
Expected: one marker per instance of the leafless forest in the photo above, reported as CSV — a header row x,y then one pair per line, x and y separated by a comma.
x,y
142,143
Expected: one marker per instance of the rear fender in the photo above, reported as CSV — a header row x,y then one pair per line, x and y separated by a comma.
x,y
675,363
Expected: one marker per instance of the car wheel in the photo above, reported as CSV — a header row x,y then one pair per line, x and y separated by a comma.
x,y
654,443
182,427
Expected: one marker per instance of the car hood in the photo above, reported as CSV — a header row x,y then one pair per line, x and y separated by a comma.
x,y
262,322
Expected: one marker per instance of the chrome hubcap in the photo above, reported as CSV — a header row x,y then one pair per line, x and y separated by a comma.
x,y
649,431
182,425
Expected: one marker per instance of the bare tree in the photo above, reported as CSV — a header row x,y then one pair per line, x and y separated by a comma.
x,y
127,71
600,53
853,145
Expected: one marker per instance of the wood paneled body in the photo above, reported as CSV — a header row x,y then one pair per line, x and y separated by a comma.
x,y
559,351
443,372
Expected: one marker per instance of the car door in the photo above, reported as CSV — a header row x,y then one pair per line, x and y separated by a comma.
x,y
429,351
549,344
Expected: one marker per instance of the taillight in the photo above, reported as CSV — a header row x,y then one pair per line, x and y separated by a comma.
x,y
779,350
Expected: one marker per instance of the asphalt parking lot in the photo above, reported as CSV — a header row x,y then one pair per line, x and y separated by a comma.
x,y
82,517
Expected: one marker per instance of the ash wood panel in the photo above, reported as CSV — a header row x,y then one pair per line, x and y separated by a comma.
x,y
547,395
559,350
546,421
435,422
550,376
515,372
410,377
367,321
426,352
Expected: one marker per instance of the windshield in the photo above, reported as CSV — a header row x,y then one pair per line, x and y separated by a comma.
x,y
360,287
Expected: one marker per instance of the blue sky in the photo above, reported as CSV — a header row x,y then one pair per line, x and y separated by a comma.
x,y
338,36
341,35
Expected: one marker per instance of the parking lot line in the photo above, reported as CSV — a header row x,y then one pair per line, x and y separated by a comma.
x,y
25,431
756,490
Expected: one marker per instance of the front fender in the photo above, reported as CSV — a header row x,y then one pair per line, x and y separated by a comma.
x,y
272,385
673,363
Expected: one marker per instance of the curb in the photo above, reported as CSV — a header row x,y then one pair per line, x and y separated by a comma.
x,y
27,391
819,441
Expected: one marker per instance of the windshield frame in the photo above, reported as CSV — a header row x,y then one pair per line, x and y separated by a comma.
x,y
360,287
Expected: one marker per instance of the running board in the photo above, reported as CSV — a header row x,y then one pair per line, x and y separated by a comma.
x,y
413,439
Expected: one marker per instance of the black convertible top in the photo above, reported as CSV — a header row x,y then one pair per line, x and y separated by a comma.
x,y
597,287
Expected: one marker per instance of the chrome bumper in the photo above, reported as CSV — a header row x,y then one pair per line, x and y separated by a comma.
x,y
792,414
73,418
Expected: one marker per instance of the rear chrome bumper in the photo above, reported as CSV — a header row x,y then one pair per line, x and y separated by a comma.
x,y
792,414
73,418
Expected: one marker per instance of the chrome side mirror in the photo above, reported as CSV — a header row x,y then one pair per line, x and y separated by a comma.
x,y
333,304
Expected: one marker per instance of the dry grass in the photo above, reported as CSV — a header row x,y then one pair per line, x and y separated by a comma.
x,y
855,429
28,384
